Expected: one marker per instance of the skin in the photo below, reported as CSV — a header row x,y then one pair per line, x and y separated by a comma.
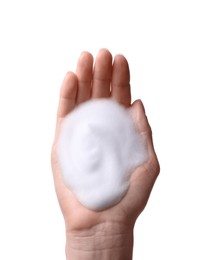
x,y
106,234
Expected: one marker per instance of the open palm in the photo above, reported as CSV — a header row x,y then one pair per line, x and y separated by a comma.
x,y
106,79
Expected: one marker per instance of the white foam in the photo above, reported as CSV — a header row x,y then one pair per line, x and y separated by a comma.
x,y
98,149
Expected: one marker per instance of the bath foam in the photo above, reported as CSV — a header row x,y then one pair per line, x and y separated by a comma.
x,y
98,149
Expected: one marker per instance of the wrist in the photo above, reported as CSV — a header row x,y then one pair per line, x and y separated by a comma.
x,y
105,241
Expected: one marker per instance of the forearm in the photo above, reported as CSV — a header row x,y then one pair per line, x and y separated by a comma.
x,y
103,242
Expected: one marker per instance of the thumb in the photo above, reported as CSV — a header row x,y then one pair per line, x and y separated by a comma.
x,y
137,112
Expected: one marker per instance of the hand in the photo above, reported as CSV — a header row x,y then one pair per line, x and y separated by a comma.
x,y
103,81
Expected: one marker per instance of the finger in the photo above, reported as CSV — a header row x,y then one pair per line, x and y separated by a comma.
x,y
84,75
68,94
120,82
102,74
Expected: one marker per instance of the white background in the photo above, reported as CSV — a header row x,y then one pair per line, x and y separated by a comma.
x,y
166,43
